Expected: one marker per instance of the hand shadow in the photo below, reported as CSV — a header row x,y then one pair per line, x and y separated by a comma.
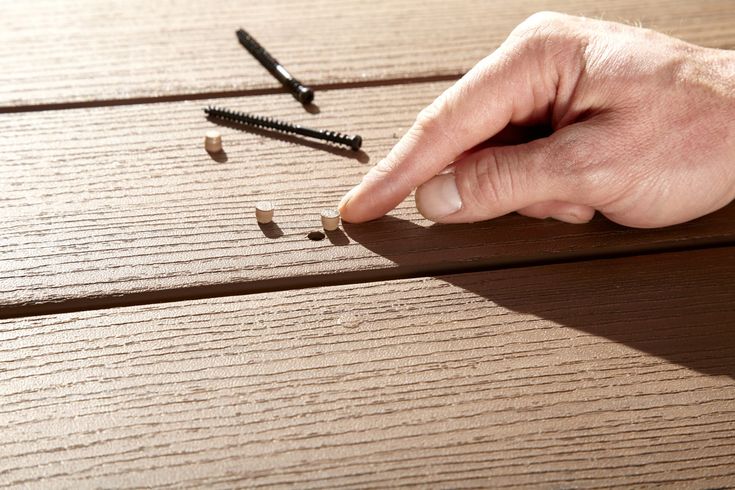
x,y
649,303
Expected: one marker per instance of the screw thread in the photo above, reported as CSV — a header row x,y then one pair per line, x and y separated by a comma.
x,y
354,142
250,119
256,49
301,92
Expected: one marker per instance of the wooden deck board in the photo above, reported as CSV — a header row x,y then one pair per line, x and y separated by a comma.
x,y
93,51
608,373
593,374
122,205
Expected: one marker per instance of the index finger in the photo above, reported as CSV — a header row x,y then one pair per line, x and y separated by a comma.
x,y
513,84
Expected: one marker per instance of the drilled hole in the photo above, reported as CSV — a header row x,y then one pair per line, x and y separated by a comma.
x,y
315,236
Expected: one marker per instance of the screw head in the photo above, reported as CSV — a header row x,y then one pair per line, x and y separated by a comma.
x,y
356,142
305,95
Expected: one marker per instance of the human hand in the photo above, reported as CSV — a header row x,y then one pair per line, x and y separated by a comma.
x,y
643,131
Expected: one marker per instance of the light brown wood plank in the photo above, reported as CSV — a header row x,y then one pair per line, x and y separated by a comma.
x,y
70,52
610,373
122,205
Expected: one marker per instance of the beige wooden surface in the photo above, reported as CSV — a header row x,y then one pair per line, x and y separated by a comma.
x,y
53,53
609,373
589,372
121,205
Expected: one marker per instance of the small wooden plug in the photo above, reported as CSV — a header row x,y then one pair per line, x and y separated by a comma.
x,y
213,141
264,212
330,219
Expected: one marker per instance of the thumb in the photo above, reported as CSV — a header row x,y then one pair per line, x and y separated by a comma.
x,y
499,180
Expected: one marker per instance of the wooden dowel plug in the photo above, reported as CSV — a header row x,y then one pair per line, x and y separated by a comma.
x,y
213,141
330,219
264,212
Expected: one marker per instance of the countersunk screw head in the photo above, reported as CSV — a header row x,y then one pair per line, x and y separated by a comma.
x,y
305,95
356,142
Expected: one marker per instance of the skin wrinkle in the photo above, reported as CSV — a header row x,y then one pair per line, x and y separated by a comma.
x,y
473,187
488,184
607,185
567,84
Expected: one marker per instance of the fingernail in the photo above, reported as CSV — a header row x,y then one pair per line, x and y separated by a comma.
x,y
438,197
570,218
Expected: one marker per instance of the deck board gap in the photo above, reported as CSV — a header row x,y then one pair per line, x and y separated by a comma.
x,y
161,99
193,293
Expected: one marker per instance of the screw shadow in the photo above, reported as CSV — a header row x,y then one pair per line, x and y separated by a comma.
x,y
312,108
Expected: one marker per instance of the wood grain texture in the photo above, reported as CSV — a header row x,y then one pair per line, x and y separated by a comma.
x,y
122,205
610,373
70,52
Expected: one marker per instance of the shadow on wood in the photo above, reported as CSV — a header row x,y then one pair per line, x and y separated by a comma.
x,y
271,230
675,306
312,108
337,237
219,157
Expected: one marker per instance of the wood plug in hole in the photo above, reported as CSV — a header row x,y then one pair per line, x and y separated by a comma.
x,y
213,141
330,219
264,212
316,236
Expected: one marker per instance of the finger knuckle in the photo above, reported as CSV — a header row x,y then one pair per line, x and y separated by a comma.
x,y
540,23
548,35
429,120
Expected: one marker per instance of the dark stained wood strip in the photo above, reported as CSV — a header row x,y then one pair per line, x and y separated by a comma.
x,y
603,374
54,53
122,205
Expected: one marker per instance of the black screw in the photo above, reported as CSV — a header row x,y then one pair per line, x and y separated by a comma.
x,y
354,142
301,92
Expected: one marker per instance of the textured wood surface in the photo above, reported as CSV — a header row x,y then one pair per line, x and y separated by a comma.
x,y
60,52
592,374
611,373
122,205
